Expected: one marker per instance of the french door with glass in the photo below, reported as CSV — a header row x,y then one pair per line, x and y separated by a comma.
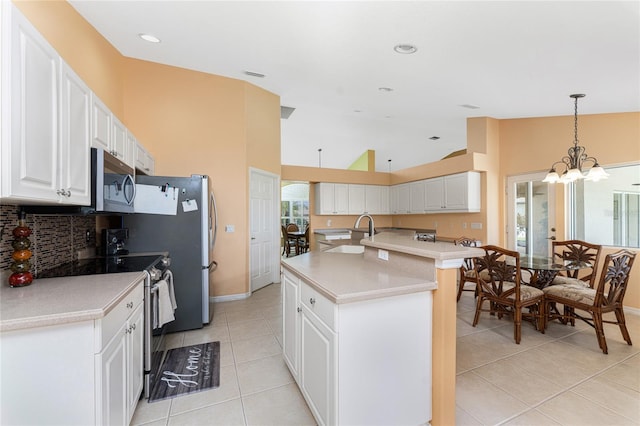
x,y
530,214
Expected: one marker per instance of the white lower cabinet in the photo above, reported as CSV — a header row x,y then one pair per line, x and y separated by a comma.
x,y
365,362
121,371
82,373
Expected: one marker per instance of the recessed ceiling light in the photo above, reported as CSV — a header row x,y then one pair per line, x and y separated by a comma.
x,y
434,138
470,106
149,38
405,48
385,89
254,74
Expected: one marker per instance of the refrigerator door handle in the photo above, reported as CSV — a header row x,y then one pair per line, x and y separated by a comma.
x,y
214,212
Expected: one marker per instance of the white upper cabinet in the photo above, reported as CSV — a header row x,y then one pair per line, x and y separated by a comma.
x,y
416,204
109,134
144,161
119,142
404,198
453,193
331,198
75,137
43,119
101,121
376,199
356,199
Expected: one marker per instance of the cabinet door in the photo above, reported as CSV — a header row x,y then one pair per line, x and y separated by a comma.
x,y
318,367
462,192
372,199
118,139
324,198
100,124
151,165
356,199
291,323
341,198
404,198
455,192
130,149
140,157
434,194
75,138
112,362
135,359
385,205
32,168
417,197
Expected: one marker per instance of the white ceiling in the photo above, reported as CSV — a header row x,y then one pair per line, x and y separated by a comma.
x,y
328,60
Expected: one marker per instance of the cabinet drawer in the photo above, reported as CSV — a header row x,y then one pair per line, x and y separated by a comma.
x,y
318,304
108,326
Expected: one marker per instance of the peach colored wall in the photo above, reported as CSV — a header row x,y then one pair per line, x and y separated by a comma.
x,y
533,144
90,55
263,129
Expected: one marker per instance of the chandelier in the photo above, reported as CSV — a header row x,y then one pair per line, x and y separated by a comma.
x,y
576,159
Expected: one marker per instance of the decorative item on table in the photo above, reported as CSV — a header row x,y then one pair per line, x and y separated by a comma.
x,y
21,256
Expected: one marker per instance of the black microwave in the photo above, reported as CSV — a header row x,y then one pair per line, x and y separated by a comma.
x,y
113,187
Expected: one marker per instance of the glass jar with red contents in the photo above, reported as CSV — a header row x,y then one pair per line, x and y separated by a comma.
x,y
21,256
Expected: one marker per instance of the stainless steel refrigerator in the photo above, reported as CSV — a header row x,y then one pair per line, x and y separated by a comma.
x,y
178,215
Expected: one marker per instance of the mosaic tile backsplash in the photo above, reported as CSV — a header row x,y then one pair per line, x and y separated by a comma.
x,y
55,239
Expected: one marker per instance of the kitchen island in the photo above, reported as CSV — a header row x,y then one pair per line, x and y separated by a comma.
x,y
359,333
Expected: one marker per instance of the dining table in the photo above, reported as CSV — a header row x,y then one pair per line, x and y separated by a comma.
x,y
544,269
297,236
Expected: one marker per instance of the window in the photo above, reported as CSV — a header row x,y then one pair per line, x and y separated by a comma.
x,y
295,204
607,212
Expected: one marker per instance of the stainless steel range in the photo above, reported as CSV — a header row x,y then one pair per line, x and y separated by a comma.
x,y
156,267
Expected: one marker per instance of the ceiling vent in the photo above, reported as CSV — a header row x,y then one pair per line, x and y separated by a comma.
x,y
286,111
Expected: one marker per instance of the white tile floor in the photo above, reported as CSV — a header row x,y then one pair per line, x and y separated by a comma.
x,y
559,378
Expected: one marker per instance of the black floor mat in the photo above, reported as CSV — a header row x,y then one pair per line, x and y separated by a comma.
x,y
187,370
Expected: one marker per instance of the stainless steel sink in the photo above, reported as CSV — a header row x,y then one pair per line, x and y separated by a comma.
x,y
347,248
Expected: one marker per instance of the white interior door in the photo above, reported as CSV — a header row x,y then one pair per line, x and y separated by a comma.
x,y
264,228
530,214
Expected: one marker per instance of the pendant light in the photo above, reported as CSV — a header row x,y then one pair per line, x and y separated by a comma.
x,y
576,159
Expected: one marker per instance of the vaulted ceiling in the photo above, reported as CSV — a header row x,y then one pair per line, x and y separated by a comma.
x,y
335,61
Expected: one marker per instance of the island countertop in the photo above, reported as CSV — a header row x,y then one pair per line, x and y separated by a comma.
x,y
51,301
442,252
346,278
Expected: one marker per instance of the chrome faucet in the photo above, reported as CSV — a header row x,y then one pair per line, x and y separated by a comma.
x,y
372,228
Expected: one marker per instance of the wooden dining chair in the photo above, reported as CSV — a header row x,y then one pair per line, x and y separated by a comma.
x,y
286,242
576,251
292,227
498,282
304,241
607,297
467,271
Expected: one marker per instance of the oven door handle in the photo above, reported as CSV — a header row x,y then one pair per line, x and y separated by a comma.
x,y
133,190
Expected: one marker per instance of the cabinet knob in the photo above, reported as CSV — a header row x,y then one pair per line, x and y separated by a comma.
x,y
68,193
299,309
133,326
312,301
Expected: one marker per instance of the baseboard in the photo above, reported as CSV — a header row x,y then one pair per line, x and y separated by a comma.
x,y
632,311
229,298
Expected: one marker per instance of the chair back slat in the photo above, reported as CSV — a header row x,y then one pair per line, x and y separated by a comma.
x,y
500,266
614,278
578,251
